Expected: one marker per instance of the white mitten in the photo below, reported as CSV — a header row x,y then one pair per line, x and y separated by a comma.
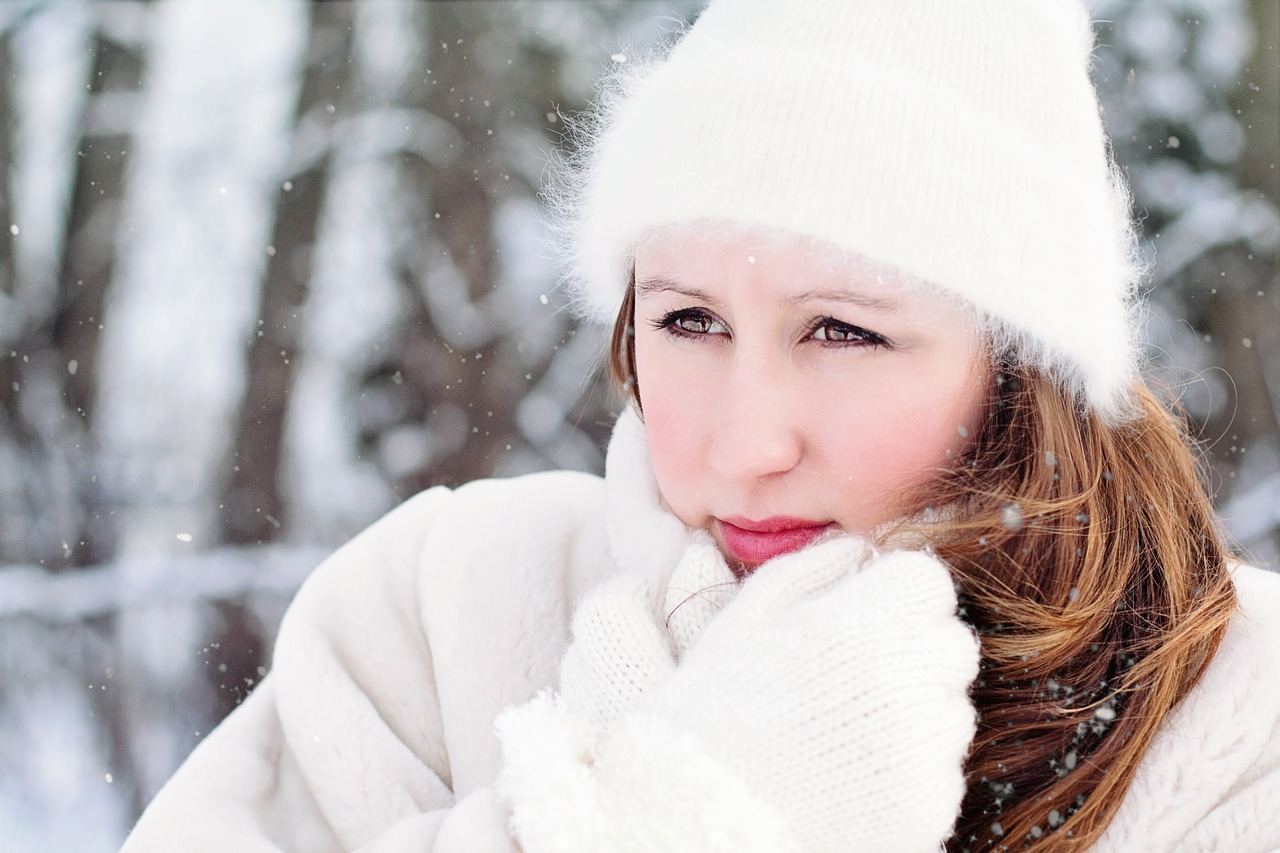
x,y
618,652
699,589
825,708
622,646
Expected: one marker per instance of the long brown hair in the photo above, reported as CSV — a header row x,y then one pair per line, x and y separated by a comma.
x,y
1091,564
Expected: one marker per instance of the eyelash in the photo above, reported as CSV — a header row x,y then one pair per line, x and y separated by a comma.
x,y
858,336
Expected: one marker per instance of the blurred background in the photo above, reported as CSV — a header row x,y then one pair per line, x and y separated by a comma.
x,y
268,268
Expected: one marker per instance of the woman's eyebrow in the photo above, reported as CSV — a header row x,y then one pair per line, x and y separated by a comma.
x,y
661,284
852,297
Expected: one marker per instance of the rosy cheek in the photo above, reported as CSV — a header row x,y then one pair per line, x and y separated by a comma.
x,y
675,461
665,446
673,418
886,441
891,451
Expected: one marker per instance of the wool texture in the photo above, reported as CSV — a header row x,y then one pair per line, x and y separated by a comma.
x,y
863,650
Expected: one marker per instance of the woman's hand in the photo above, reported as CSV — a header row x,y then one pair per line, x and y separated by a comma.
x,y
623,644
824,708
835,685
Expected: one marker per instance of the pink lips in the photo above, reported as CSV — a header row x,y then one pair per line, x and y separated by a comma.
x,y
754,542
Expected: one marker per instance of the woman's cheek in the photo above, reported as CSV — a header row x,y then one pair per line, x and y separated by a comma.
x,y
889,437
674,409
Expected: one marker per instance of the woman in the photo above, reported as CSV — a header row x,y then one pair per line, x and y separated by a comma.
x,y
894,548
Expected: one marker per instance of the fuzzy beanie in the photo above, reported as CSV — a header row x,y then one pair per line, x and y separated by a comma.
x,y
956,140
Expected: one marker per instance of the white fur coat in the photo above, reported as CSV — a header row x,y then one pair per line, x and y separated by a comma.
x,y
375,729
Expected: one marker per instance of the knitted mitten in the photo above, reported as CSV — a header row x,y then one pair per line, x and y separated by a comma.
x,y
699,589
824,708
618,652
621,646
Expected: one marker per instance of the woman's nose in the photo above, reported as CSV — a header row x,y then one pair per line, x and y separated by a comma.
x,y
757,430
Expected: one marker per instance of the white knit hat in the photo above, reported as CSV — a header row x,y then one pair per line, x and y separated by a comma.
x,y
957,140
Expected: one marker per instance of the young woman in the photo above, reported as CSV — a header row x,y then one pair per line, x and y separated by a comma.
x,y
894,551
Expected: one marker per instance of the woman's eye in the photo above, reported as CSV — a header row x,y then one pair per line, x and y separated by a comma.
x,y
829,330
691,322
697,325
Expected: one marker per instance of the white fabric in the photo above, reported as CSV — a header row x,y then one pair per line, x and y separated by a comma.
x,y
832,683
956,140
375,729
620,650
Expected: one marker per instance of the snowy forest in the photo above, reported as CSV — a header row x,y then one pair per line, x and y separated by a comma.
x,y
269,267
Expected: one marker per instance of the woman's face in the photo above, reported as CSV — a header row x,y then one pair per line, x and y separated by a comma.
x,y
786,394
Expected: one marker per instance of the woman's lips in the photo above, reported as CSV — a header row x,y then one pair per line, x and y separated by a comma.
x,y
754,542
